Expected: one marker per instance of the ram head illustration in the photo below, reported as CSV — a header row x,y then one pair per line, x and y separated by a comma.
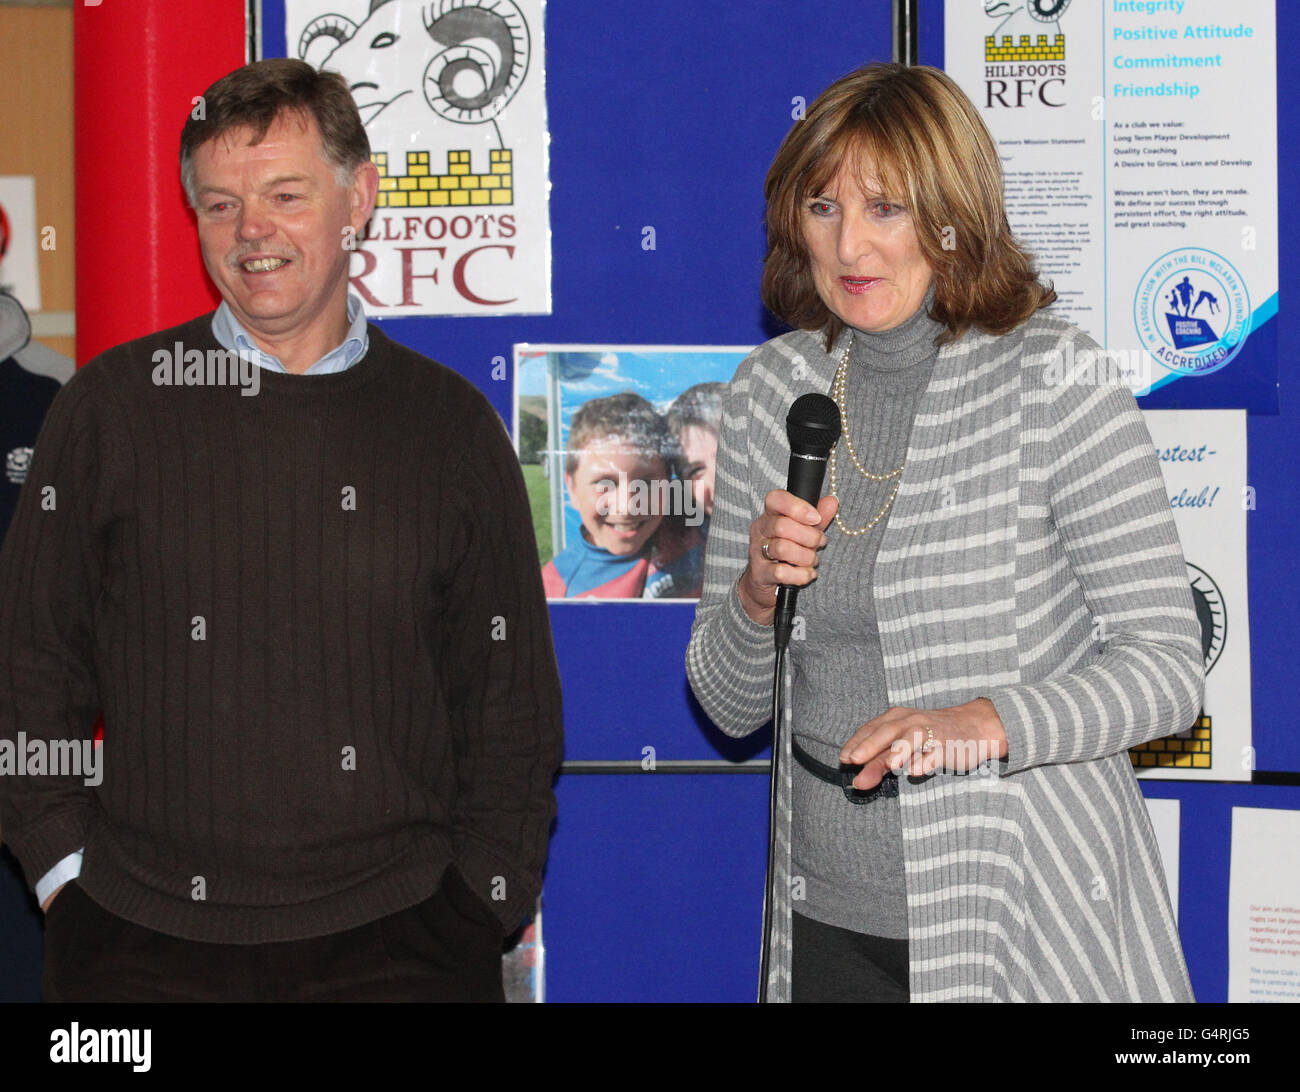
x,y
473,55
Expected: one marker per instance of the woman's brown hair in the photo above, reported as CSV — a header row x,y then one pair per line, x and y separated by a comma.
x,y
925,141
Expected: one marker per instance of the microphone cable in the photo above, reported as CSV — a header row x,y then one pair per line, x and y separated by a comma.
x,y
812,428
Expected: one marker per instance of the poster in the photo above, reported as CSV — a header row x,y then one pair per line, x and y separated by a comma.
x,y
19,271
1166,816
1147,194
523,970
618,445
1264,906
1203,458
453,97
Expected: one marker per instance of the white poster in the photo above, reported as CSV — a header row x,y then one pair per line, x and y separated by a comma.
x,y
1203,457
19,272
453,96
1138,142
1165,819
523,964
1264,906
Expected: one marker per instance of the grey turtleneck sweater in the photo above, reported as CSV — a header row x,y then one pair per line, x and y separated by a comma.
x,y
850,855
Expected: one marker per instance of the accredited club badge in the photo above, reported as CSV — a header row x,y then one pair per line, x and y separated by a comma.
x,y
1192,310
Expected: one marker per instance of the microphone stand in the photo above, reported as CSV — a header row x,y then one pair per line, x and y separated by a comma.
x,y
769,887
812,429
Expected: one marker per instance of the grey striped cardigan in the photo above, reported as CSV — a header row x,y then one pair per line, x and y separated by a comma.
x,y
1030,557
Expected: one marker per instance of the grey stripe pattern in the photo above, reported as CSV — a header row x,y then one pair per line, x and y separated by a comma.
x,y
1030,558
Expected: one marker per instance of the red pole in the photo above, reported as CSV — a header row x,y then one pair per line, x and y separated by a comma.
x,y
139,66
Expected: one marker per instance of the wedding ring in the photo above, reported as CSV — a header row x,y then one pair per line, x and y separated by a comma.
x,y
929,744
763,550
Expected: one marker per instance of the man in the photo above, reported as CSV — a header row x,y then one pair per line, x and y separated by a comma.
x,y
305,596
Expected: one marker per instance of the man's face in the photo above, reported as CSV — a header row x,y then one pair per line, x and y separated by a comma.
x,y
272,223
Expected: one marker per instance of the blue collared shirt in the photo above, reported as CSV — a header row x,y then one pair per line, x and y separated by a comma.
x,y
227,330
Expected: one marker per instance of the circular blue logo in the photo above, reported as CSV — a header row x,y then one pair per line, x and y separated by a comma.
x,y
1192,310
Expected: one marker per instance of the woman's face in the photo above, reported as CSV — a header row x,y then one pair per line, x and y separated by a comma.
x,y
865,256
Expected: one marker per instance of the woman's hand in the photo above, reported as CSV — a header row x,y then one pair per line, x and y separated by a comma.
x,y
959,738
793,531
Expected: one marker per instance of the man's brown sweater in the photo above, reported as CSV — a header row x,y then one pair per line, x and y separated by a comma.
x,y
314,623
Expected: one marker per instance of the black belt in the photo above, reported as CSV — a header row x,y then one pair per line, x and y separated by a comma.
x,y
843,776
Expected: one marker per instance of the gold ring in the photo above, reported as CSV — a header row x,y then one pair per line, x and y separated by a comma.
x,y
929,744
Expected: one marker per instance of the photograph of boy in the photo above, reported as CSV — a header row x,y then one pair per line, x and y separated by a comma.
x,y
636,540
694,419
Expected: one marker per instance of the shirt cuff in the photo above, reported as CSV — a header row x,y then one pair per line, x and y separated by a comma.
x,y
67,869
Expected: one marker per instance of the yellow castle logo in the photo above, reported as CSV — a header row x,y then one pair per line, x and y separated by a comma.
x,y
420,189
1189,750
1039,51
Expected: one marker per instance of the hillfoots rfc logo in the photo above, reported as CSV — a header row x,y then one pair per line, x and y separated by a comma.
x,y
452,96
1192,311
1211,612
1193,747
1024,54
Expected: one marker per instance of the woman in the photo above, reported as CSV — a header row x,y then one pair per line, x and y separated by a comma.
x,y
1000,607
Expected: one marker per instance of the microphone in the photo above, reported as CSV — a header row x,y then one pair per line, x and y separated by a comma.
x,y
813,428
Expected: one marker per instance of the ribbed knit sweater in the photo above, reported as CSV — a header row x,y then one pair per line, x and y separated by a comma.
x,y
851,855
1030,558
314,624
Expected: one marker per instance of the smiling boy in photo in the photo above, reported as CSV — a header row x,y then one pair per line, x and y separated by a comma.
x,y
636,541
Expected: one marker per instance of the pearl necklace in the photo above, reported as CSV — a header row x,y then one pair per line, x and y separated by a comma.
x,y
839,391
